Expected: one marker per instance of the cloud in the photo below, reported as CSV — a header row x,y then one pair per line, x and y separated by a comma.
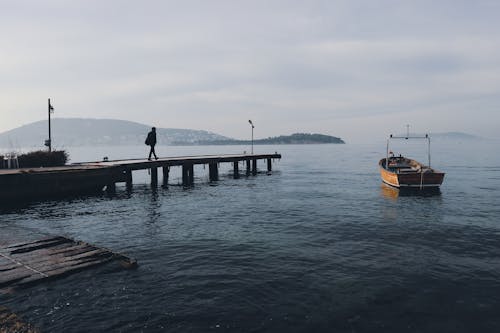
x,y
290,65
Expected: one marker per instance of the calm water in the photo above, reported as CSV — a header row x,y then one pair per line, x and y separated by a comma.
x,y
318,246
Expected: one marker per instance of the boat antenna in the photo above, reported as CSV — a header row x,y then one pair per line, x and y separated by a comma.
x,y
407,131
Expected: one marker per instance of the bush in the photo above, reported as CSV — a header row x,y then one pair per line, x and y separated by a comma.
x,y
42,158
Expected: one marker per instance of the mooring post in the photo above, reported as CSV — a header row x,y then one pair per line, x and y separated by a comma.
x,y
248,167
269,165
254,166
128,179
236,172
154,176
166,171
213,172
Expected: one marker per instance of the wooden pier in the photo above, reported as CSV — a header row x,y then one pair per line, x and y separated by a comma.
x,y
34,261
93,177
122,169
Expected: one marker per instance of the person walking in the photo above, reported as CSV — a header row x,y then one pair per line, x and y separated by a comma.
x,y
151,141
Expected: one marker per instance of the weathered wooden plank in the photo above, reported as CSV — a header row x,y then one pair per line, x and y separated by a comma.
x,y
63,271
13,279
31,262
8,267
95,255
23,244
40,246
38,253
53,259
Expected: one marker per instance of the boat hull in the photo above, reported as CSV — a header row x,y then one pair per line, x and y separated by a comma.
x,y
428,178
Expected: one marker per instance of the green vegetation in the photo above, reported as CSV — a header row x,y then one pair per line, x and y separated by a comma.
x,y
41,158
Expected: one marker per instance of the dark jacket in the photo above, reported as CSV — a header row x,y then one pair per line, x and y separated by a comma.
x,y
151,139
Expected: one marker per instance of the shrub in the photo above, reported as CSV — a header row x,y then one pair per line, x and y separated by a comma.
x,y
42,158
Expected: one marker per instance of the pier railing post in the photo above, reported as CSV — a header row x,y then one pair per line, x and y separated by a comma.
x,y
236,171
254,166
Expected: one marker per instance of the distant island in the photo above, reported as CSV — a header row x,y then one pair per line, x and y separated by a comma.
x,y
70,132
297,138
455,136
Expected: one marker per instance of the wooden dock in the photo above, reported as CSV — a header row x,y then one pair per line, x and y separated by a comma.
x,y
51,257
92,177
123,168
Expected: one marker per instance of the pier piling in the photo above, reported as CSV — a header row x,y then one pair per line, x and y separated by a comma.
x,y
236,171
213,171
269,165
154,176
254,167
248,167
128,179
166,171
187,174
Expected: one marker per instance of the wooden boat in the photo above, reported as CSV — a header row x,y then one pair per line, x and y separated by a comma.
x,y
403,172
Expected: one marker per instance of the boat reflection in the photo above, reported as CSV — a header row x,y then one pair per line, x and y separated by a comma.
x,y
393,193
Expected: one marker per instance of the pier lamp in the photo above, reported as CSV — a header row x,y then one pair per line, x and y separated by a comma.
x,y
48,142
252,133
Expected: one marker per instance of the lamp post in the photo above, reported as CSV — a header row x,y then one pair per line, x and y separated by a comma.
x,y
252,133
48,142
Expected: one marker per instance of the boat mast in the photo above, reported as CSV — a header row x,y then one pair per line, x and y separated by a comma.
x,y
429,148
387,153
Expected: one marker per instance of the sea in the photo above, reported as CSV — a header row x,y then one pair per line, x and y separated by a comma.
x,y
318,245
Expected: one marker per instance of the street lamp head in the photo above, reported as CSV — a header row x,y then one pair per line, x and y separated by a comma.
x,y
251,123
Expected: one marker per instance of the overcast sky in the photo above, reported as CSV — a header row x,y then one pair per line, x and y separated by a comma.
x,y
355,69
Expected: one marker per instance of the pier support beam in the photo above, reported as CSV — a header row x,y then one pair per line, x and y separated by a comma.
x,y
269,165
236,171
166,172
254,167
154,176
248,167
213,171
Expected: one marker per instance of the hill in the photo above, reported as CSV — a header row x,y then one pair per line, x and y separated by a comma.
x,y
85,132
455,136
297,138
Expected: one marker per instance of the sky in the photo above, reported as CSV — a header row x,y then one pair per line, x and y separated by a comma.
x,y
359,70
